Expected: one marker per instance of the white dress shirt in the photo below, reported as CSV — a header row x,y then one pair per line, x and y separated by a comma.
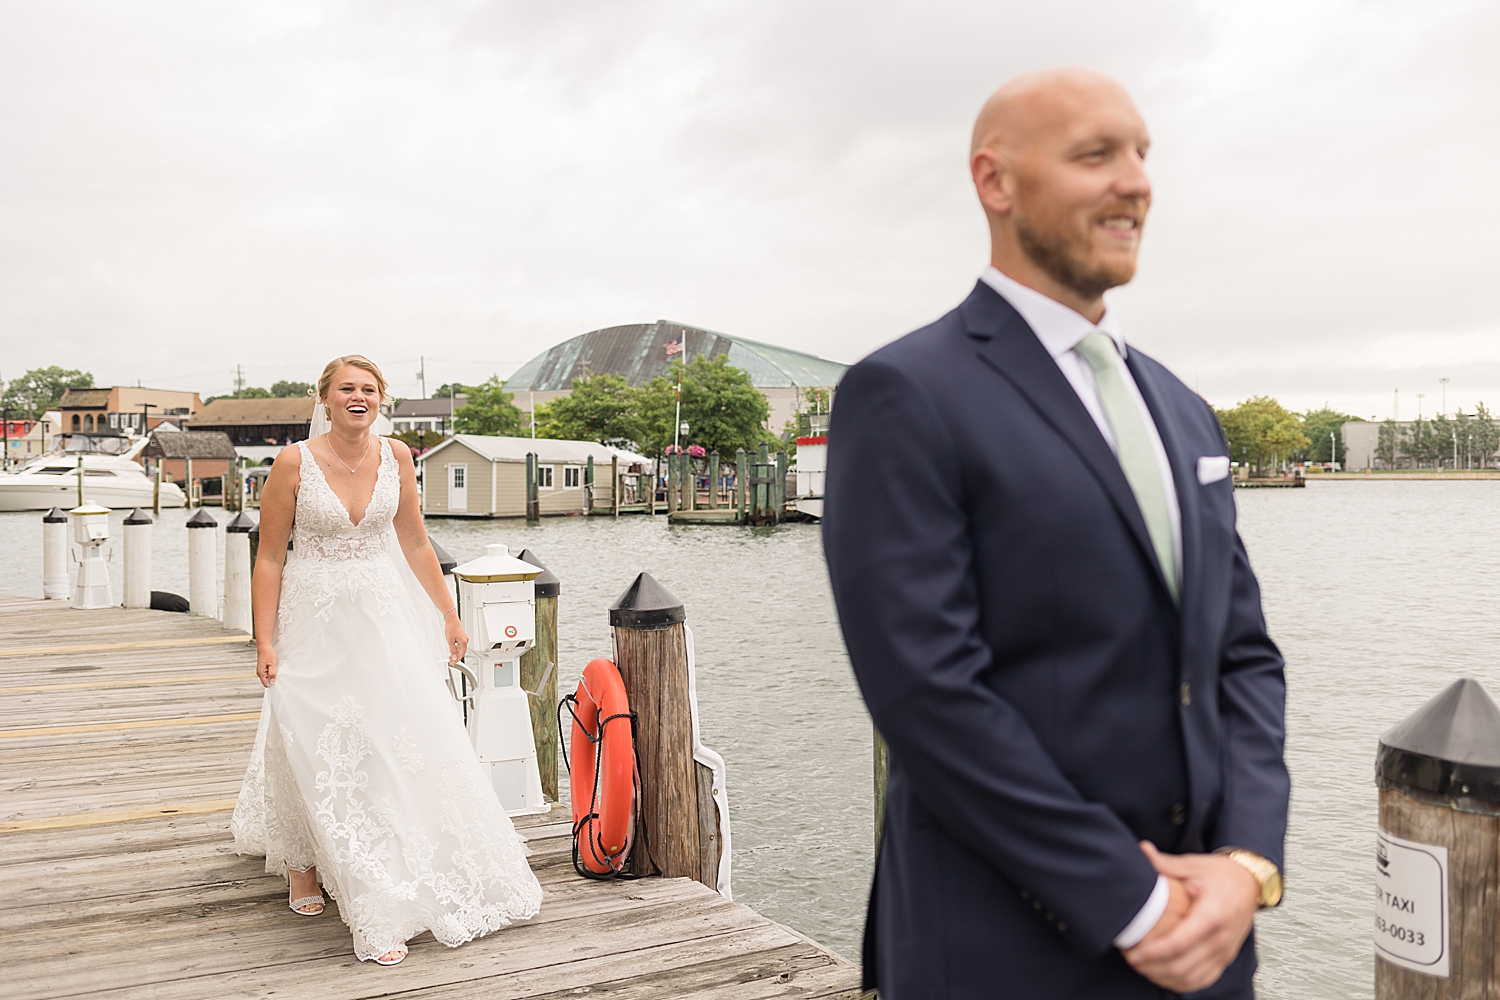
x,y
1060,330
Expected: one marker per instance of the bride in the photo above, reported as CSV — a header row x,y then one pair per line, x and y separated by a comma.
x,y
362,776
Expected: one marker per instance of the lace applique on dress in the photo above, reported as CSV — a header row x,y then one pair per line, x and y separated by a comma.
x,y
407,754
331,555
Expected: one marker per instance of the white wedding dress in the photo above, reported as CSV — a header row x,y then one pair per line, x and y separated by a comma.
x,y
361,765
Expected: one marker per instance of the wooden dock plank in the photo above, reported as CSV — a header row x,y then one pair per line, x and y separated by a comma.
x,y
112,714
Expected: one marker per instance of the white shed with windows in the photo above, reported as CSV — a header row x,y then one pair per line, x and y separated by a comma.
x,y
470,475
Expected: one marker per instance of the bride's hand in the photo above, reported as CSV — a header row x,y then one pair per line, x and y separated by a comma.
x,y
265,666
458,639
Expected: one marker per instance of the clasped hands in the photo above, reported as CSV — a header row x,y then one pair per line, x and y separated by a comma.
x,y
1209,914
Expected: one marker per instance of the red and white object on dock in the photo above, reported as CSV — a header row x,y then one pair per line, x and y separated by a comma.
x,y
812,466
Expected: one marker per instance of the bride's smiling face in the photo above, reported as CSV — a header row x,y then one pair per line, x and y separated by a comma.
x,y
353,400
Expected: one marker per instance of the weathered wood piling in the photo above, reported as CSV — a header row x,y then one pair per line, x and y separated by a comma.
x,y
539,674
678,816
1437,857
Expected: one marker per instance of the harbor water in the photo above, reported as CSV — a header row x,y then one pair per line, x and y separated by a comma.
x,y
1379,593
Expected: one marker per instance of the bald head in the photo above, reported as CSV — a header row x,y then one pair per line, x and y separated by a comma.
x,y
1033,103
1057,158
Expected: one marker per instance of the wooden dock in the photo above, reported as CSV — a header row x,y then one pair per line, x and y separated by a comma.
x,y
123,738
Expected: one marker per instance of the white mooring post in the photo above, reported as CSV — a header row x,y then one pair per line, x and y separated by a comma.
x,y
138,559
203,564
55,555
237,573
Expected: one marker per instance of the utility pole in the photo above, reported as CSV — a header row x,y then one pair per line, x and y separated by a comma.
x,y
422,375
1444,383
1333,450
1420,396
239,381
146,409
1396,406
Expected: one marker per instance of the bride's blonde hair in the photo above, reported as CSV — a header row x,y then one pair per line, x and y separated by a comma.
x,y
325,381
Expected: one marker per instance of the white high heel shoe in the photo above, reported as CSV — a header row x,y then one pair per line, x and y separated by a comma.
x,y
392,957
304,905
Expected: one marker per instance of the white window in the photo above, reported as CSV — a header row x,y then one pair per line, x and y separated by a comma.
x,y
544,477
572,477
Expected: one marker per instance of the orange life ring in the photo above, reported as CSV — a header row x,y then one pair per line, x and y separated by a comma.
x,y
604,782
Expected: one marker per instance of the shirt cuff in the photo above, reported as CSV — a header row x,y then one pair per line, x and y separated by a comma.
x,y
1146,918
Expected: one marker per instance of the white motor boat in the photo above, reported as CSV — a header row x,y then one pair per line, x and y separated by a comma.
x,y
114,481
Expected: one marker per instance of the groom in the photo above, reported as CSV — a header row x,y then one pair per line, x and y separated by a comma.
x,y
1030,529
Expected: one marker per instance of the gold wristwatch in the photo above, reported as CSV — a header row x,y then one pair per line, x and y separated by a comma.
x,y
1265,872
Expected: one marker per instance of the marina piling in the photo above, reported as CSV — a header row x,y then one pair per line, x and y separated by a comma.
x,y
137,568
713,480
55,555
614,488
671,485
237,568
187,479
588,486
882,775
780,485
203,564
156,490
681,833
533,501
1437,854
539,674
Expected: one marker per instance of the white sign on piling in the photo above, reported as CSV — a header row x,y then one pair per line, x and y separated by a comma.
x,y
1411,904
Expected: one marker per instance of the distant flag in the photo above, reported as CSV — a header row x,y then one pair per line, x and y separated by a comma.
x,y
674,347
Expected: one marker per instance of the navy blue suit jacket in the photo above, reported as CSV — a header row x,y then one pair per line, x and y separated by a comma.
x,y
1045,702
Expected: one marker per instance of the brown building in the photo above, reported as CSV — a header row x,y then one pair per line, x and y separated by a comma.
x,y
211,451
256,421
124,409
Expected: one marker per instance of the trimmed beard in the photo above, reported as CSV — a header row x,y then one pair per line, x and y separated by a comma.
x,y
1052,252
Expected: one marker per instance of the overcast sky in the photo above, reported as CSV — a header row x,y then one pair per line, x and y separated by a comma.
x,y
185,187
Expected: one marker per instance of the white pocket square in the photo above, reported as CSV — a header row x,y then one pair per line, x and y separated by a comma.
x,y
1212,468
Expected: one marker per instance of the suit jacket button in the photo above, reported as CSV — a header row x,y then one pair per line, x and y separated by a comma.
x,y
1062,928
1185,694
1179,814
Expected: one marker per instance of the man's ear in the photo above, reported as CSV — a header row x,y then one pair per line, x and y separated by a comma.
x,y
992,179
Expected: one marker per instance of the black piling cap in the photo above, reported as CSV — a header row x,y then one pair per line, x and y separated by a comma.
x,y
242,523
445,561
136,516
547,584
1449,747
55,516
646,605
202,519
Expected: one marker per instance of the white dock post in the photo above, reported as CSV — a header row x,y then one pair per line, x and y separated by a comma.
x,y
138,559
237,573
203,565
55,555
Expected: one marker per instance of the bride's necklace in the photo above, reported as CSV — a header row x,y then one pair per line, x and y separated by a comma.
x,y
345,464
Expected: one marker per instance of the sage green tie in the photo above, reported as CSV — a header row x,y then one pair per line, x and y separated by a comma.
x,y
1133,448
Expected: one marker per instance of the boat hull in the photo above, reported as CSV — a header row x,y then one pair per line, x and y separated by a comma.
x,y
46,492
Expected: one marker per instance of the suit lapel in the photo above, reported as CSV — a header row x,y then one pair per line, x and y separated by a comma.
x,y
1009,346
1184,476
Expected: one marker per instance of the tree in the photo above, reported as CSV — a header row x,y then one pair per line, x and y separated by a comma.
x,y
489,410
41,389
722,407
600,408
248,392
1388,442
454,389
288,390
1261,427
1421,443
1317,425
1442,441
1484,436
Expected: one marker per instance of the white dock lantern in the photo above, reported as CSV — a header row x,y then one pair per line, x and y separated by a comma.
x,y
137,573
203,564
55,555
91,531
497,604
237,573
